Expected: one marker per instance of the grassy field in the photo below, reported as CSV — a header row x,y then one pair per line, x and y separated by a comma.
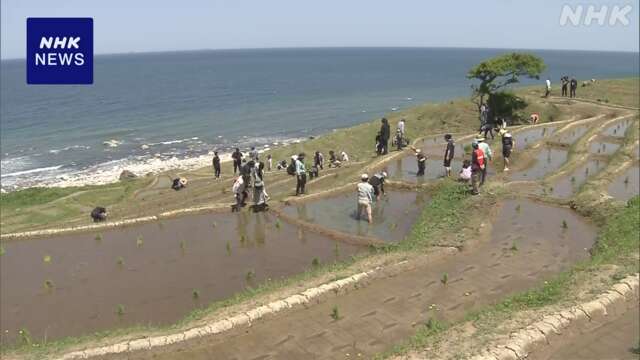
x,y
35,209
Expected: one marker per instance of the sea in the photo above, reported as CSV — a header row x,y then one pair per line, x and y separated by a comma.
x,y
152,112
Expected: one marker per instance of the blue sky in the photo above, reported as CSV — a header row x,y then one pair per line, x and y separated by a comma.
x,y
160,25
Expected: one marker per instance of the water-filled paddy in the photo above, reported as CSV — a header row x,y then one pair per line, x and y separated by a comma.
x,y
547,160
618,128
154,273
527,137
568,137
566,186
626,185
393,215
603,147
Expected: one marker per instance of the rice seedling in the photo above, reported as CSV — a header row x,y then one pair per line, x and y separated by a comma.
x,y
228,247
277,224
573,179
214,224
46,259
445,279
139,241
120,261
335,313
250,275
183,245
48,284
120,310
393,226
315,262
564,224
514,246
25,336
98,237
2,250
626,180
195,294
518,208
336,250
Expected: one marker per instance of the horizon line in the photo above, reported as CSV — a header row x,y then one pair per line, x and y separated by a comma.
x,y
338,47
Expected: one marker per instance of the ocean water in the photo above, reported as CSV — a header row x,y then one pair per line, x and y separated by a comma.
x,y
156,111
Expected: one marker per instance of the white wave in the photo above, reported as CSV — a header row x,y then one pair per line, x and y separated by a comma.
x,y
31,171
73,147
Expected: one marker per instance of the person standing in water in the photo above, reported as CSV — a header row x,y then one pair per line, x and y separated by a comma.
x,y
377,181
237,160
508,143
448,154
422,161
259,192
365,197
269,162
301,174
216,164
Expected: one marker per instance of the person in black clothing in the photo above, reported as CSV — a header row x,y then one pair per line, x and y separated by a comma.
x,y
318,160
179,183
377,181
99,214
507,148
216,164
573,85
385,135
245,171
422,162
237,160
565,82
379,147
448,154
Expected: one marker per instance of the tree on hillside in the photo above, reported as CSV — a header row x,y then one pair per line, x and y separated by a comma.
x,y
499,72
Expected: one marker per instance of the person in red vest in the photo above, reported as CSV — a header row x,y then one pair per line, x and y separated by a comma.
x,y
477,166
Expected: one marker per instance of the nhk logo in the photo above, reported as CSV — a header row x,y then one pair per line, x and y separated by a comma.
x,y
60,51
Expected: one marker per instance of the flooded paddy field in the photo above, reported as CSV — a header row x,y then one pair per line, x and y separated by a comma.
x,y
406,168
627,184
527,244
568,137
618,128
393,215
155,273
527,137
601,147
548,159
568,185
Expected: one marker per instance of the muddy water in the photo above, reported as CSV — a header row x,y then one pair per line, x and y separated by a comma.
x,y
548,160
626,186
574,133
603,148
527,245
393,215
155,279
568,185
526,138
406,169
618,128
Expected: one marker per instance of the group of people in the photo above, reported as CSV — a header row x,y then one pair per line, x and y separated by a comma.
x,y
571,84
566,84
252,170
383,136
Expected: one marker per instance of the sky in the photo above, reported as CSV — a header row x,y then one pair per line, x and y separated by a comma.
x,y
123,26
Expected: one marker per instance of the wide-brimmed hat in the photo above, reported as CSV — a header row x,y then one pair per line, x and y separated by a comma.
x,y
479,138
364,177
502,131
384,174
183,181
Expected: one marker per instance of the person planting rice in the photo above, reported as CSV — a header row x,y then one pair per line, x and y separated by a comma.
x,y
377,181
240,193
488,155
260,195
465,172
477,166
99,214
448,154
422,161
508,143
365,194
301,174
179,183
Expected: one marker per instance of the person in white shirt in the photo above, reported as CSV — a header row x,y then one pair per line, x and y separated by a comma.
x,y
344,157
365,197
548,92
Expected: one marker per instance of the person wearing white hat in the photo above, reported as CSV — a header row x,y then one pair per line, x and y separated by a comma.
x,y
365,197
377,181
422,162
